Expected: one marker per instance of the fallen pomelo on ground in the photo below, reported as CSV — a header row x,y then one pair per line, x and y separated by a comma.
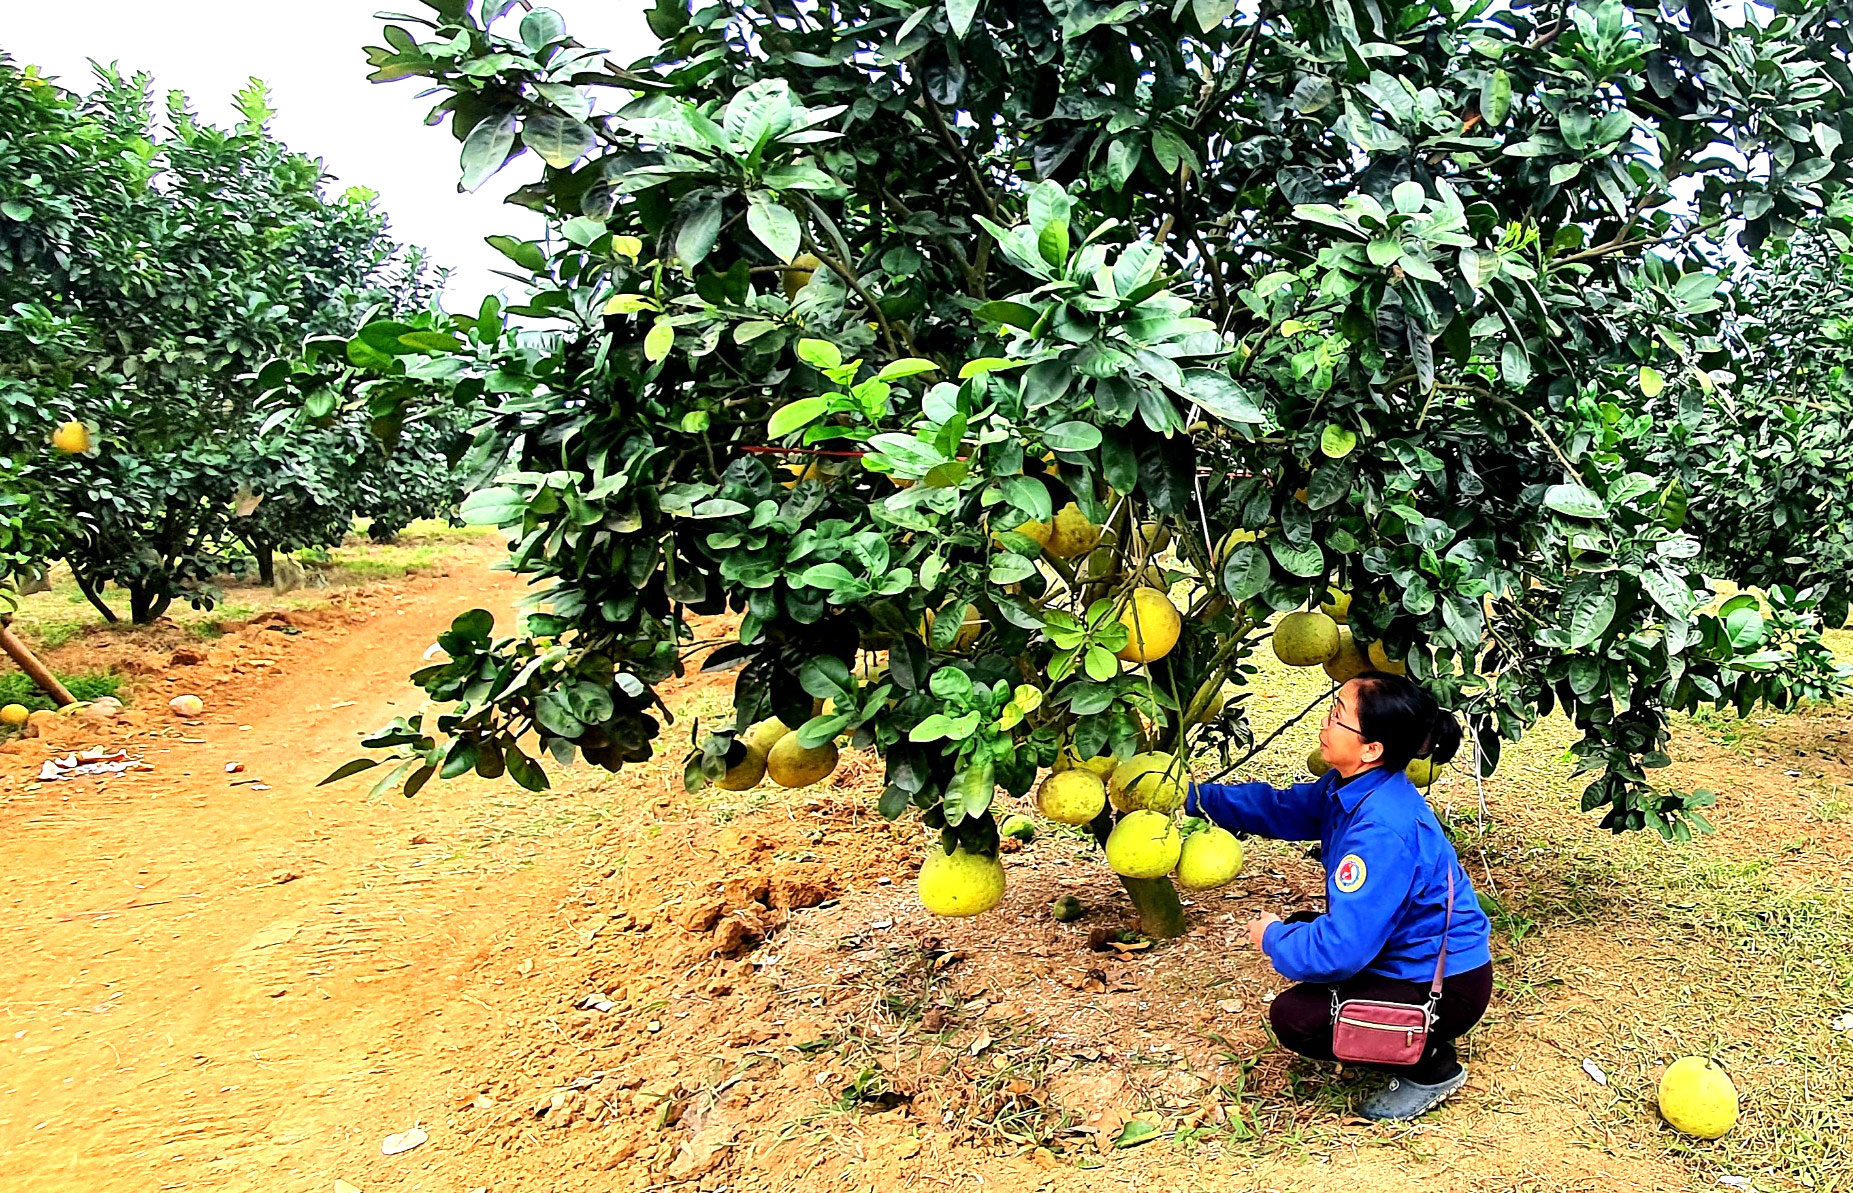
x,y
1698,1098
1018,827
14,715
960,883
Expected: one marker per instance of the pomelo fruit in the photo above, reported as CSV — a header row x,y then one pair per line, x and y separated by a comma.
x,y
14,715
1102,767
1380,660
765,734
1337,605
1152,626
1698,1098
1155,535
1018,827
1066,908
1421,772
791,765
744,773
1038,532
1316,763
969,628
1143,844
960,883
1072,796
1305,639
1155,782
1209,858
1071,534
73,439
1350,661
1214,708
798,274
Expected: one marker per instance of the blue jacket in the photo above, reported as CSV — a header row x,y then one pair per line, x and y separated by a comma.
x,y
1387,864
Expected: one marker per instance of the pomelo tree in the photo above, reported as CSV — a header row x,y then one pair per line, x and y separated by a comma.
x,y
150,263
1010,370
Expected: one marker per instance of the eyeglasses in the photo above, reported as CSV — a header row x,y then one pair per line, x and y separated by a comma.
x,y
1331,719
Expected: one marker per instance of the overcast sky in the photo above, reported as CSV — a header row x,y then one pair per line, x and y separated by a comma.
x,y
311,55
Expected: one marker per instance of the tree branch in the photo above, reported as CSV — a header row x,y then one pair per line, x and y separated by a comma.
x,y
842,270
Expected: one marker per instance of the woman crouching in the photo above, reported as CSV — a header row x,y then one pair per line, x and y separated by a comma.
x,y
1396,895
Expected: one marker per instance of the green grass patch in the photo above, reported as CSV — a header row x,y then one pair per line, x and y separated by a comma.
x,y
16,688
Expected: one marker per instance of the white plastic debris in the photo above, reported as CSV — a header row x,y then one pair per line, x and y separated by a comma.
x,y
1595,1072
404,1141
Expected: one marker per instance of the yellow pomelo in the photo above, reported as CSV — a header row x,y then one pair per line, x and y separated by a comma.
x,y
1337,605
1213,709
1100,767
960,883
745,774
1305,639
1209,859
1072,796
1038,532
1316,764
71,438
1143,845
1230,542
1380,660
766,734
1350,661
798,274
1071,535
1698,1098
969,628
1153,782
814,471
14,715
791,765
1152,626
1421,772
1155,535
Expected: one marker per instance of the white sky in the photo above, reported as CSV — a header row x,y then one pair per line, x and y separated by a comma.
x,y
369,134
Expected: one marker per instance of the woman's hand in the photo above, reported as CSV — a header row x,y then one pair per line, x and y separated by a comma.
x,y
1258,927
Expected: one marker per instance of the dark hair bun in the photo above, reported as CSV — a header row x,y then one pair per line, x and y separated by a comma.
x,y
1399,715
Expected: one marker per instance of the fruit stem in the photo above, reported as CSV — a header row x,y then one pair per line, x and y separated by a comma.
x,y
1161,914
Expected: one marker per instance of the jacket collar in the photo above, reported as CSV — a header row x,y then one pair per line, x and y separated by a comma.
x,y
1351,794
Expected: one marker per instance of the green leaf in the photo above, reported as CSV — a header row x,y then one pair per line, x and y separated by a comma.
x,y
1030,496
696,238
559,140
775,226
541,28
1337,442
1575,501
1515,365
1223,396
1496,97
494,507
1071,437
486,148
524,770
524,253
820,354
959,14
1307,560
907,366
348,769
1211,14
1651,381
1590,615
1134,1133
793,415
659,341
1246,572
15,210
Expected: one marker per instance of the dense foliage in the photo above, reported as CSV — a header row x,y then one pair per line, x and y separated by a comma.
x,y
1388,297
149,264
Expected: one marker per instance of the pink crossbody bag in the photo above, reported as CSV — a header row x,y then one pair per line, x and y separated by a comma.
x,y
1379,1032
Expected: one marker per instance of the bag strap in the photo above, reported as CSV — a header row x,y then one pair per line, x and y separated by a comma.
x,y
1441,961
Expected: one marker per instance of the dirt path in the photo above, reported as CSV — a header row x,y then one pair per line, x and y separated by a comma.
x,y
220,983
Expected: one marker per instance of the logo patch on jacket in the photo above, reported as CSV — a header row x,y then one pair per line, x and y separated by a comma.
x,y
1350,874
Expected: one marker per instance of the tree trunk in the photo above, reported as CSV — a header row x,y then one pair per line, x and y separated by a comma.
x,y
94,596
266,556
35,670
1161,915
147,602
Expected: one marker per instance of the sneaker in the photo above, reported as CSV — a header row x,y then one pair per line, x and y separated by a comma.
x,y
1405,1099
